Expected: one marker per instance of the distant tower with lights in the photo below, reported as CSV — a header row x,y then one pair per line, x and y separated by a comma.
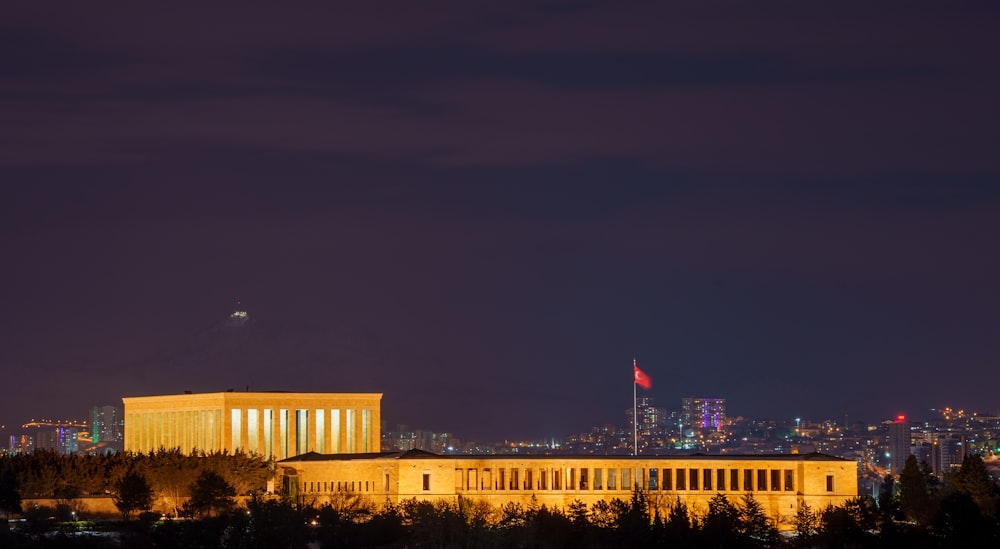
x,y
899,443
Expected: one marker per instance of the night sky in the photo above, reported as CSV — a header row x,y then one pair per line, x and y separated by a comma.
x,y
485,210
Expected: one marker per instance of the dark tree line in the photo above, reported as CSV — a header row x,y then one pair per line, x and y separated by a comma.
x,y
170,475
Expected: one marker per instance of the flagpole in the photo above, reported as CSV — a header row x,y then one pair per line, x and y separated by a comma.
x,y
635,417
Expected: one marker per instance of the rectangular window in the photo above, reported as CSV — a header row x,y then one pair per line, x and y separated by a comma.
x,y
720,479
252,441
320,431
501,478
734,479
611,479
761,479
694,479
543,479
459,479
366,423
282,433
748,480
514,473
235,423
351,439
789,480
528,479
571,478
706,479
387,482
668,479
775,479
829,483
427,481
557,479
584,481
472,479
626,479
335,428
487,479
681,479
598,481
654,479
301,431
268,432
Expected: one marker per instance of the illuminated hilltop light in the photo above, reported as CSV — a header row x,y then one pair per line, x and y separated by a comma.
x,y
238,317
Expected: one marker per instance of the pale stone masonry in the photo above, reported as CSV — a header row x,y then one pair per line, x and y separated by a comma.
x,y
780,483
278,424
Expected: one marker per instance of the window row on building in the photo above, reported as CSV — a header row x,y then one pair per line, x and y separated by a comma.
x,y
650,479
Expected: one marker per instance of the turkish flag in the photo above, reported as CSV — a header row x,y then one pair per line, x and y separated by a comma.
x,y
641,379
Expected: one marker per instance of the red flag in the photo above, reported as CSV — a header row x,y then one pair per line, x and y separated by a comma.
x,y
641,379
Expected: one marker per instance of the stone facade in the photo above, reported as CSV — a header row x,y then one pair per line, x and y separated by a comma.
x,y
269,424
780,483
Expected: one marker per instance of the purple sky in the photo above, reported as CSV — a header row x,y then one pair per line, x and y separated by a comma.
x,y
486,209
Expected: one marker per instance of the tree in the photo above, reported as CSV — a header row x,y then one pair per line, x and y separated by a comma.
x,y
914,495
973,480
719,528
753,520
132,493
210,492
806,521
888,502
10,495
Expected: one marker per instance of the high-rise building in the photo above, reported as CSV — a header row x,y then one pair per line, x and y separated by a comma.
x,y
107,425
62,440
275,424
21,444
652,425
899,443
703,413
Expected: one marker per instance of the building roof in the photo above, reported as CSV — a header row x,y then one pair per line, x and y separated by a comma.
x,y
421,454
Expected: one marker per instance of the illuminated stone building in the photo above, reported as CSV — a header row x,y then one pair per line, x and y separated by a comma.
x,y
780,483
275,424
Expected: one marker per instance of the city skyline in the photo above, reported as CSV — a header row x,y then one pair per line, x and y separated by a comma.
x,y
486,211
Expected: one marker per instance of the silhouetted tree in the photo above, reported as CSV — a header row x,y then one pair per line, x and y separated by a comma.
x,y
974,480
679,528
806,523
888,501
720,527
959,523
210,493
10,495
914,494
132,493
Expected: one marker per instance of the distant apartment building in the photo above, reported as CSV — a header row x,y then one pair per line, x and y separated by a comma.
x,y
61,440
107,426
402,438
279,424
703,414
21,444
652,423
899,443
